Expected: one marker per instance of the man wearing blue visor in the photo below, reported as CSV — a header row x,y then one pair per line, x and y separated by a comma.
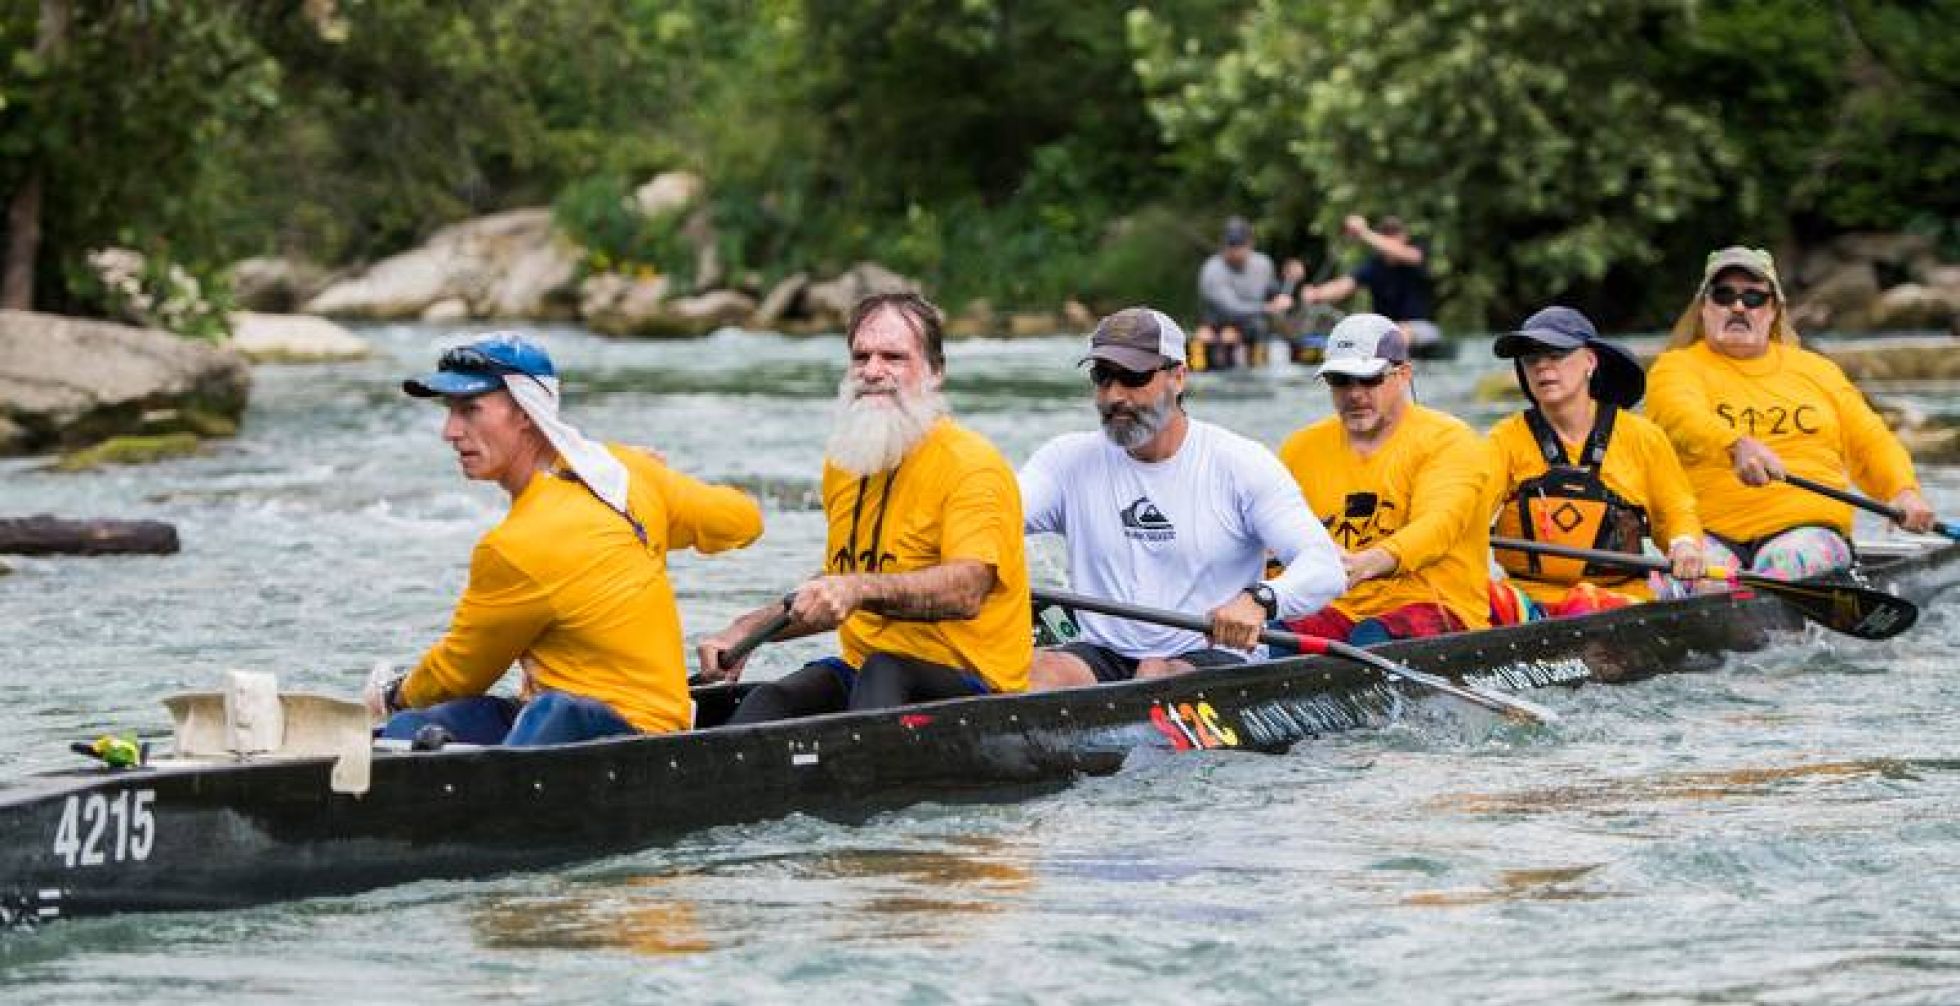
x,y
572,585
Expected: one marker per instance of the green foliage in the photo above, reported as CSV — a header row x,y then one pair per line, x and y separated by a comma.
x,y
599,213
1528,175
120,124
1018,150
155,292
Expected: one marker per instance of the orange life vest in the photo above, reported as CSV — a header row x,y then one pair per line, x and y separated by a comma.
x,y
1570,505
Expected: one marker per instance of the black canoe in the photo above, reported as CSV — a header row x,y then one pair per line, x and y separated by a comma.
x,y
195,836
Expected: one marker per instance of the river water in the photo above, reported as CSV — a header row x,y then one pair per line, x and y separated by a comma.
x,y
1783,829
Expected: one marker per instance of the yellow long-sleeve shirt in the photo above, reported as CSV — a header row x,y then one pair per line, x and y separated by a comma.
x,y
1423,496
564,586
953,497
1640,467
1796,402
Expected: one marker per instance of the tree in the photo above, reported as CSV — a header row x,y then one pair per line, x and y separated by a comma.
x,y
112,127
1524,139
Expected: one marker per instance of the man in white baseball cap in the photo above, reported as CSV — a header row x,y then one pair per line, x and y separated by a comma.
x,y
1167,511
1402,488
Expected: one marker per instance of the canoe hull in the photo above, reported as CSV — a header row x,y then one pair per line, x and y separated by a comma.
x,y
198,837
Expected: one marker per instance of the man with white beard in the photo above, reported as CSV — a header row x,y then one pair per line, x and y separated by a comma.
x,y
925,575
1164,510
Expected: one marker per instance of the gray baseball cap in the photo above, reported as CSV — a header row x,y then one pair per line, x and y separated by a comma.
x,y
1137,338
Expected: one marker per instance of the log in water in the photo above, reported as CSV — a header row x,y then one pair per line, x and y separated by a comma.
x,y
44,534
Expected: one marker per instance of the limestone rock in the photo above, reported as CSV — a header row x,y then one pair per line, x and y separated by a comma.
x,y
669,192
65,381
274,284
1841,300
293,338
975,320
780,301
1911,306
830,303
701,313
505,265
447,311
621,305
1022,324
1077,316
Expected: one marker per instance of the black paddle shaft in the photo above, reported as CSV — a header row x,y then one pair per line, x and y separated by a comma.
x,y
1867,503
1510,705
1842,607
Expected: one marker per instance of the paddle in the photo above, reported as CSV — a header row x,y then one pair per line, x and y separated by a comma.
x,y
1509,705
1946,528
1852,610
745,645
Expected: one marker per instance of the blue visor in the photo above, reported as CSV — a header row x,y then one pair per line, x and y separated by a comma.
x,y
481,366
453,383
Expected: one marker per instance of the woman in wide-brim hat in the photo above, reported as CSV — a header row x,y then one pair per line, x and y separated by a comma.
x,y
1746,405
1579,468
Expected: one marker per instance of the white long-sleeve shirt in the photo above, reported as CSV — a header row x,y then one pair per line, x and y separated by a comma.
x,y
1187,533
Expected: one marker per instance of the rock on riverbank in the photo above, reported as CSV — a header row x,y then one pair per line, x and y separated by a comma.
x,y
65,382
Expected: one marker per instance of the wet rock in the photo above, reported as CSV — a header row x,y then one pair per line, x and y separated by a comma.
x,y
275,285
65,382
1935,358
975,320
129,450
1912,306
1022,324
700,314
506,265
781,301
293,338
621,305
828,304
447,311
1841,299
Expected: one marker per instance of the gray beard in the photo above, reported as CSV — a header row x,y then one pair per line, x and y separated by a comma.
x,y
1131,429
869,436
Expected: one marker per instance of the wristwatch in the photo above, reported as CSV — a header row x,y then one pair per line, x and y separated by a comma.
x,y
1263,593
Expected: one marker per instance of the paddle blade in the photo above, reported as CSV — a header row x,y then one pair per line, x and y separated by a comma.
x,y
1854,611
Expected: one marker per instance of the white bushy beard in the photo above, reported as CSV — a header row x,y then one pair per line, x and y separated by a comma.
x,y
1130,427
872,432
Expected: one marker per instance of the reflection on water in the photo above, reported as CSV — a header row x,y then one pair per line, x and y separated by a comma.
x,y
1560,883
641,915
1719,785
868,893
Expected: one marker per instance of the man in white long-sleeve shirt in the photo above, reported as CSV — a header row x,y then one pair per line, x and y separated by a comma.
x,y
1160,509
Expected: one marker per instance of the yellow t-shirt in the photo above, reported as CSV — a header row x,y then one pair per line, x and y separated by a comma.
x,y
1640,467
953,497
1423,496
564,586
1795,401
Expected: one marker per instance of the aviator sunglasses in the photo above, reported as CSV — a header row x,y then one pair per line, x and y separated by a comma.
x,y
1102,374
1726,296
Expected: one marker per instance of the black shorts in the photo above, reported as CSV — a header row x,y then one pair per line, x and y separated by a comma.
x,y
1108,665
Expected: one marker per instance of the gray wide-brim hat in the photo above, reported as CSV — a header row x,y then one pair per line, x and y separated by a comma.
x,y
1619,378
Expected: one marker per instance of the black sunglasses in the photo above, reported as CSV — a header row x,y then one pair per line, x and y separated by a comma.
x,y
1102,374
1349,380
1726,296
470,360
